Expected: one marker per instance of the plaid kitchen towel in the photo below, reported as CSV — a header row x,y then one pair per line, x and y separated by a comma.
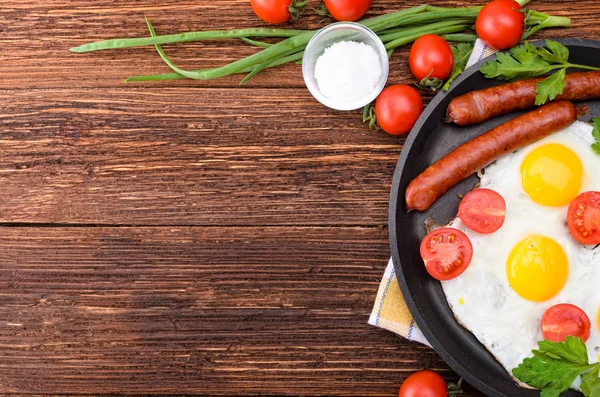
x,y
390,311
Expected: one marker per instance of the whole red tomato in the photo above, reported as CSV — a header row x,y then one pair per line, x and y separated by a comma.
x,y
430,55
397,108
424,384
500,23
277,11
347,10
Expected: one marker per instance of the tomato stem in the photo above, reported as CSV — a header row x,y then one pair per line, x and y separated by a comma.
x,y
455,389
322,11
296,8
370,116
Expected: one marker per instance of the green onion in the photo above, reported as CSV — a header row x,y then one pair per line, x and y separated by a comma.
x,y
430,28
395,29
460,37
187,37
254,42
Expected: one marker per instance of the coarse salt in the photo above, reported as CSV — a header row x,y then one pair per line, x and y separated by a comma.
x,y
348,71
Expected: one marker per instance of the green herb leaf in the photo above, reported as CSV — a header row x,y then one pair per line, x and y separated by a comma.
x,y
555,366
596,130
521,63
454,389
572,349
461,53
590,383
557,53
596,135
550,87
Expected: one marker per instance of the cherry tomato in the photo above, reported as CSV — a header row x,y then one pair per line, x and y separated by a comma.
x,y
397,108
583,218
274,11
500,23
447,253
564,320
430,55
424,384
482,210
347,10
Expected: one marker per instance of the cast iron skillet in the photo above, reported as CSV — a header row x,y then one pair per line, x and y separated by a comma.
x,y
429,140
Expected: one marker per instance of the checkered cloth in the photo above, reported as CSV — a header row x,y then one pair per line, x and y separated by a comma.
x,y
390,311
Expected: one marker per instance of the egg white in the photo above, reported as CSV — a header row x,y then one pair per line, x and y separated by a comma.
x,y
482,299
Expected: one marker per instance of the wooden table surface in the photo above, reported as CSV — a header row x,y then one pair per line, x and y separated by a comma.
x,y
191,237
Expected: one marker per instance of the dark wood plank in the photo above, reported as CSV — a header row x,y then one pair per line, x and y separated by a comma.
x,y
217,311
140,156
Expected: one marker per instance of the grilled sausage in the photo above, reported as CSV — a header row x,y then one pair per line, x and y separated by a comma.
x,y
476,154
478,106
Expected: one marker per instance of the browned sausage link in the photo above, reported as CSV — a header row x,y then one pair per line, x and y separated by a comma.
x,y
476,154
478,106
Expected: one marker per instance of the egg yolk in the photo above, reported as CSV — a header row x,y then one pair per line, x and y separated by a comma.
x,y
551,175
537,268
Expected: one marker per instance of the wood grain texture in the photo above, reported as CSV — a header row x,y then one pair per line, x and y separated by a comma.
x,y
197,310
189,156
186,237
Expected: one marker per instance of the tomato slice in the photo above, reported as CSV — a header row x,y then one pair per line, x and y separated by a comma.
x,y
482,210
564,320
447,253
583,218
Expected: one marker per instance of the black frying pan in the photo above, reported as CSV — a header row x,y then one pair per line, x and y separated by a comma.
x,y
429,140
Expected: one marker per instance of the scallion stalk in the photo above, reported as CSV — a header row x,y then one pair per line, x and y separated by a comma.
x,y
395,29
187,37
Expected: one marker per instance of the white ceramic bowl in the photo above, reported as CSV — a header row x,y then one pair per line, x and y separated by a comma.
x,y
326,37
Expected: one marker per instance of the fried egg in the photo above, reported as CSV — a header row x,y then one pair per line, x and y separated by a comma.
x,y
532,262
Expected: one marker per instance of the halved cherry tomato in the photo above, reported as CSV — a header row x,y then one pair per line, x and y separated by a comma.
x,y
583,218
397,108
564,320
424,384
347,10
482,210
447,253
277,11
500,23
431,57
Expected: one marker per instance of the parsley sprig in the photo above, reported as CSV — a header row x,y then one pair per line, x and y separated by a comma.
x,y
556,365
461,53
527,61
596,135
